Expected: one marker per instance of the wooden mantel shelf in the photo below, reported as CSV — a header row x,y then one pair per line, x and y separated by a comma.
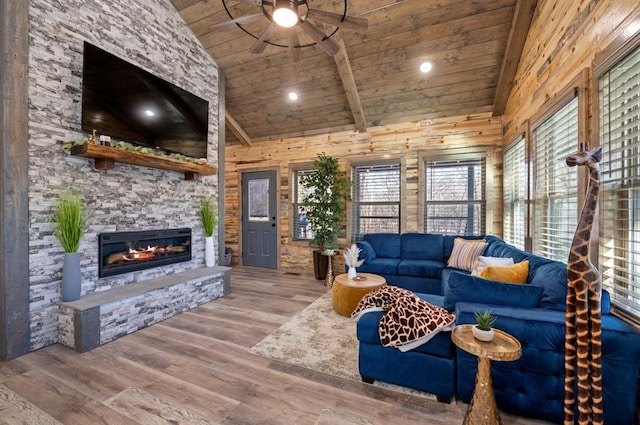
x,y
105,158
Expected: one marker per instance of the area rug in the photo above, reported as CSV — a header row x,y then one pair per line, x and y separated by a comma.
x,y
320,339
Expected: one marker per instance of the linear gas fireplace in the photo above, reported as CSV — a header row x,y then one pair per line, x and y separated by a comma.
x,y
124,252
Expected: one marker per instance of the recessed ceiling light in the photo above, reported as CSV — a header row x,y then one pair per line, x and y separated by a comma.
x,y
425,67
149,113
293,96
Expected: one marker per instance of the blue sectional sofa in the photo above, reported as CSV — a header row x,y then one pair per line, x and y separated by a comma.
x,y
532,386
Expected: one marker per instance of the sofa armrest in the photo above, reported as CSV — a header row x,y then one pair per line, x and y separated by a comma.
x,y
536,379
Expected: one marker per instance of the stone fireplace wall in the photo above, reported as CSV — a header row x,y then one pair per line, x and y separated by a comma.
x,y
152,35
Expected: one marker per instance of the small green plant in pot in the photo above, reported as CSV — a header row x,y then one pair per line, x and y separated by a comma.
x,y
70,221
208,216
483,330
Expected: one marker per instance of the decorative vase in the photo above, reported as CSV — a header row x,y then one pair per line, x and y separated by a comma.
x,y
71,278
352,272
482,335
209,252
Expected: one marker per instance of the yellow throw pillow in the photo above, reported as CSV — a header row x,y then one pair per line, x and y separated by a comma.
x,y
465,252
517,273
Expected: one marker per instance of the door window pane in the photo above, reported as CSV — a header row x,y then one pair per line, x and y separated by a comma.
x,y
259,200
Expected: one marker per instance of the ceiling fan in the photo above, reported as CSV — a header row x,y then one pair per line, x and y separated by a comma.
x,y
288,16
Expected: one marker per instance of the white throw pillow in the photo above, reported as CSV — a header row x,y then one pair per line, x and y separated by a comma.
x,y
482,262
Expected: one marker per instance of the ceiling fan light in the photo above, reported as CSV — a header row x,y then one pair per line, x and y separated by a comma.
x,y
285,13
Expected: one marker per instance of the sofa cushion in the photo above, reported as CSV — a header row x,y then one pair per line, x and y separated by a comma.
x,y
466,288
516,273
440,345
551,276
381,266
367,253
386,245
449,239
422,246
465,252
422,268
482,262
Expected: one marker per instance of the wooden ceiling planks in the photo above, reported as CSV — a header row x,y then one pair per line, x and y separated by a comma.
x,y
374,78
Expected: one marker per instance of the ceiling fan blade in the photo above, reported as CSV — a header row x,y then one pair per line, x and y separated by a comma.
x,y
254,2
261,43
350,22
229,25
292,40
327,44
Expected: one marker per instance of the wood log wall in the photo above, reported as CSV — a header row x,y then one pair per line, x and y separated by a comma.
x,y
407,143
563,40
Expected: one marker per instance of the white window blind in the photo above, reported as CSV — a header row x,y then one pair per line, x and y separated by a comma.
x,y
515,179
376,200
299,226
619,93
455,201
555,213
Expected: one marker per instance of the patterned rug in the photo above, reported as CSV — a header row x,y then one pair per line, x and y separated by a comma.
x,y
320,339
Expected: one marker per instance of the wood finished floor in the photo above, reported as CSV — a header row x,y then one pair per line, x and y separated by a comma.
x,y
195,369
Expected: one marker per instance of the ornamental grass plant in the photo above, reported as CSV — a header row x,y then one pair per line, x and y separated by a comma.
x,y
208,216
70,219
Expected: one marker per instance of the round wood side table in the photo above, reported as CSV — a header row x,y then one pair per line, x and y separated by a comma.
x,y
504,347
347,293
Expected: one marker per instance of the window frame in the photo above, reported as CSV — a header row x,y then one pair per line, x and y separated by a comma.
x,y
455,154
602,63
524,138
576,89
353,222
294,202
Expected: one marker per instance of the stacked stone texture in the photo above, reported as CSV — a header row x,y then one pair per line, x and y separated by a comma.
x,y
152,35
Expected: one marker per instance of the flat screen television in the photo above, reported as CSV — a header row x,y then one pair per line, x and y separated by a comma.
x,y
129,104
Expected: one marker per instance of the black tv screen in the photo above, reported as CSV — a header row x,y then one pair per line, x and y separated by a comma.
x,y
129,104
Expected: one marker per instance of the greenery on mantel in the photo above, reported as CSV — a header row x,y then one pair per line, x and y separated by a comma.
x,y
125,146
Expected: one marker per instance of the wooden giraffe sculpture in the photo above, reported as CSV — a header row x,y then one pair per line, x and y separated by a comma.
x,y
583,322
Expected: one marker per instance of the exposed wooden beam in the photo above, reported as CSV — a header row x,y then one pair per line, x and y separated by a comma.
x,y
517,36
348,81
237,130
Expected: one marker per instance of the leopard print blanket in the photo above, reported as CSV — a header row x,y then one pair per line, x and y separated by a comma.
x,y
409,321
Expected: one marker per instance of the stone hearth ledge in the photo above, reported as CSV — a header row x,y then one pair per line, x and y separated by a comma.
x,y
100,317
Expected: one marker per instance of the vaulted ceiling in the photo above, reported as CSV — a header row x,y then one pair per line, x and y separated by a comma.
x,y
374,79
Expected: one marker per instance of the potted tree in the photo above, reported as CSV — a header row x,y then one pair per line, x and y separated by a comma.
x,y
70,221
209,218
325,207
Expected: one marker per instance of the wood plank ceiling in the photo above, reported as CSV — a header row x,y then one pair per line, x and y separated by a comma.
x,y
474,46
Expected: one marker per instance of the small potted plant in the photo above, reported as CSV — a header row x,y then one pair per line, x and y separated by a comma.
x,y
209,218
483,329
351,260
70,221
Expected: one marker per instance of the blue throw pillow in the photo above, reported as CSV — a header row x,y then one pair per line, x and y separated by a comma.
x,y
367,252
467,288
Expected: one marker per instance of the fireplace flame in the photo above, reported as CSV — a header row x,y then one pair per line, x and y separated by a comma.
x,y
143,254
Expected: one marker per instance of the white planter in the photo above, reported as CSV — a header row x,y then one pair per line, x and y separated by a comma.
x,y
209,252
481,335
352,272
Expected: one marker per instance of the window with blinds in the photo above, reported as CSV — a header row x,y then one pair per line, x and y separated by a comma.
x,y
619,95
299,225
555,213
376,200
455,201
515,179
